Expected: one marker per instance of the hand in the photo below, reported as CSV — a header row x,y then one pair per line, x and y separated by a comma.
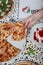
x,y
31,20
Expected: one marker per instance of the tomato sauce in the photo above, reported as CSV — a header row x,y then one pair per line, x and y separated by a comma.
x,y
40,32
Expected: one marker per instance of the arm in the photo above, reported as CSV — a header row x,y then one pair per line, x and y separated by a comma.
x,y
31,20
39,15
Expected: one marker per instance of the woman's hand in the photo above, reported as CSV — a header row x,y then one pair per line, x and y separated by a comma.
x,y
31,20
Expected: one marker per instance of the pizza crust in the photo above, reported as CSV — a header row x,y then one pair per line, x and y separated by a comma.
x,y
25,63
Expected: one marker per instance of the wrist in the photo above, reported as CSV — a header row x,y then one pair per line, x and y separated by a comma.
x,y
38,15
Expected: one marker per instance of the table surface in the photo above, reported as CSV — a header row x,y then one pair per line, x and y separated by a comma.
x,y
38,56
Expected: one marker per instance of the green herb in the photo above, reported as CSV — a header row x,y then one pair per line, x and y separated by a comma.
x,y
0,14
3,2
10,3
30,51
25,53
3,5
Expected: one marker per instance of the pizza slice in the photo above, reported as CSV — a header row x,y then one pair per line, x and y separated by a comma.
x,y
7,51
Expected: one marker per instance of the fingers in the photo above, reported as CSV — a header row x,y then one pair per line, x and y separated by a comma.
x,y
27,23
31,23
24,20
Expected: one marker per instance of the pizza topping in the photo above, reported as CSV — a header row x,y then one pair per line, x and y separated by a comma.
x,y
7,26
5,5
38,35
19,31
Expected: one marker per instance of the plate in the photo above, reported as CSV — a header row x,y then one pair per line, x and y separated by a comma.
x,y
17,44
33,29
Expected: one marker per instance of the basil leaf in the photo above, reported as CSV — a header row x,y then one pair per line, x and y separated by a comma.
x,y
28,52
3,2
31,51
25,53
4,8
1,7
0,14
9,2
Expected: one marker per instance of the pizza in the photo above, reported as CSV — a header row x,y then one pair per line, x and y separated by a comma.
x,y
4,34
19,31
6,29
5,7
7,26
7,51
25,63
